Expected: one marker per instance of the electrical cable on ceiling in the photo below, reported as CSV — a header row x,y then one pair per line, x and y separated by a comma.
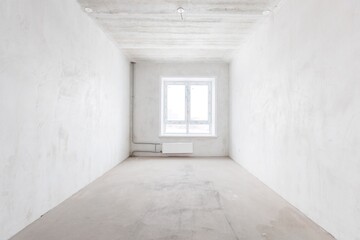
x,y
180,10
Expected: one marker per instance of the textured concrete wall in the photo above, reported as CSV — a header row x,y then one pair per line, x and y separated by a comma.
x,y
64,102
295,109
148,100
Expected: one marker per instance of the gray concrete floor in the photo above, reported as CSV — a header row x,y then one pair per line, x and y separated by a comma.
x,y
175,198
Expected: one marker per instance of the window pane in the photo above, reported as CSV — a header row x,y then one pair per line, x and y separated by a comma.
x,y
203,128
199,102
176,102
175,128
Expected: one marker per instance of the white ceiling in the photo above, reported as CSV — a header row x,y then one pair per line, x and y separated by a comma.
x,y
153,29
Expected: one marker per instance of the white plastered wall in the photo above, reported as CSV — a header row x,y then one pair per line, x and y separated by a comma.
x,y
295,109
64,107
147,103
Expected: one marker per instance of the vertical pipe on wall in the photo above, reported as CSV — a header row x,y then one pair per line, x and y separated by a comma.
x,y
132,100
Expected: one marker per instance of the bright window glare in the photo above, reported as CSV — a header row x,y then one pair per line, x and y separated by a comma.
x,y
175,128
188,107
199,103
199,128
176,102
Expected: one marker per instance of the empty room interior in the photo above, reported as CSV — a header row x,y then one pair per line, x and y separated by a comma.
x,y
179,120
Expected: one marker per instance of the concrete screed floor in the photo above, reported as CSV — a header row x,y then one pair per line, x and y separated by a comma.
x,y
175,198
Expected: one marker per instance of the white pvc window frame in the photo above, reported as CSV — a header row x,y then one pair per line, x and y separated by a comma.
x,y
188,82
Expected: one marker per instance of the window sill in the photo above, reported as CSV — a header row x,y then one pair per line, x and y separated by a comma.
x,y
188,136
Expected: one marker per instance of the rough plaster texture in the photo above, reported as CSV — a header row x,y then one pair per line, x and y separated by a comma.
x,y
295,110
154,30
147,104
175,198
64,103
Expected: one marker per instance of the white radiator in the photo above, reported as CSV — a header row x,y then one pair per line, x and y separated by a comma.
x,y
177,148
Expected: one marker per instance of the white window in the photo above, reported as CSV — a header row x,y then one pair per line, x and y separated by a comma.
x,y
188,107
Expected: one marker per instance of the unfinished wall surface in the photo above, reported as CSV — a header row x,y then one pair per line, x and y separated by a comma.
x,y
295,109
64,103
147,103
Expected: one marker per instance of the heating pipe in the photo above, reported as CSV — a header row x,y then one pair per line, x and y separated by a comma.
x,y
132,85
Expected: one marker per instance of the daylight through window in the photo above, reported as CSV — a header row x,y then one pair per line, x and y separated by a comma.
x,y
188,107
